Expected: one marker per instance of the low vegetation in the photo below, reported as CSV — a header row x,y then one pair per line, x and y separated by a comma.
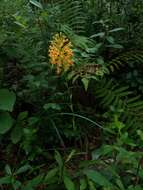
x,y
71,95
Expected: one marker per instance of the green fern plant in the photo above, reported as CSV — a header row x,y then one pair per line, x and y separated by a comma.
x,y
68,13
72,14
125,59
110,94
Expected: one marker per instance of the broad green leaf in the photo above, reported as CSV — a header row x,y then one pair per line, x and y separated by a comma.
x,y
83,184
126,156
85,82
53,106
116,30
33,183
140,133
16,185
100,61
94,49
16,134
68,183
120,184
101,34
32,121
37,180
6,122
70,155
36,3
71,75
8,169
5,180
110,39
116,46
59,160
50,175
20,24
132,187
23,169
91,185
7,100
97,177
22,116
104,150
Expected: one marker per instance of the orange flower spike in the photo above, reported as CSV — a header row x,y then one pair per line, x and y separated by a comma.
x,y
60,53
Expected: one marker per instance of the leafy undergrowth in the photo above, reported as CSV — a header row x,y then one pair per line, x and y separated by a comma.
x,y
71,95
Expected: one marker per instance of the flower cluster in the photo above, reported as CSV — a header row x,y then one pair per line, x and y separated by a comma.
x,y
60,53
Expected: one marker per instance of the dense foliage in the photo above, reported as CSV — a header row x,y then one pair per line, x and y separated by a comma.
x,y
71,95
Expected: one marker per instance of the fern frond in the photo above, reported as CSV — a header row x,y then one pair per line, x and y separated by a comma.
x,y
110,94
71,14
125,59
